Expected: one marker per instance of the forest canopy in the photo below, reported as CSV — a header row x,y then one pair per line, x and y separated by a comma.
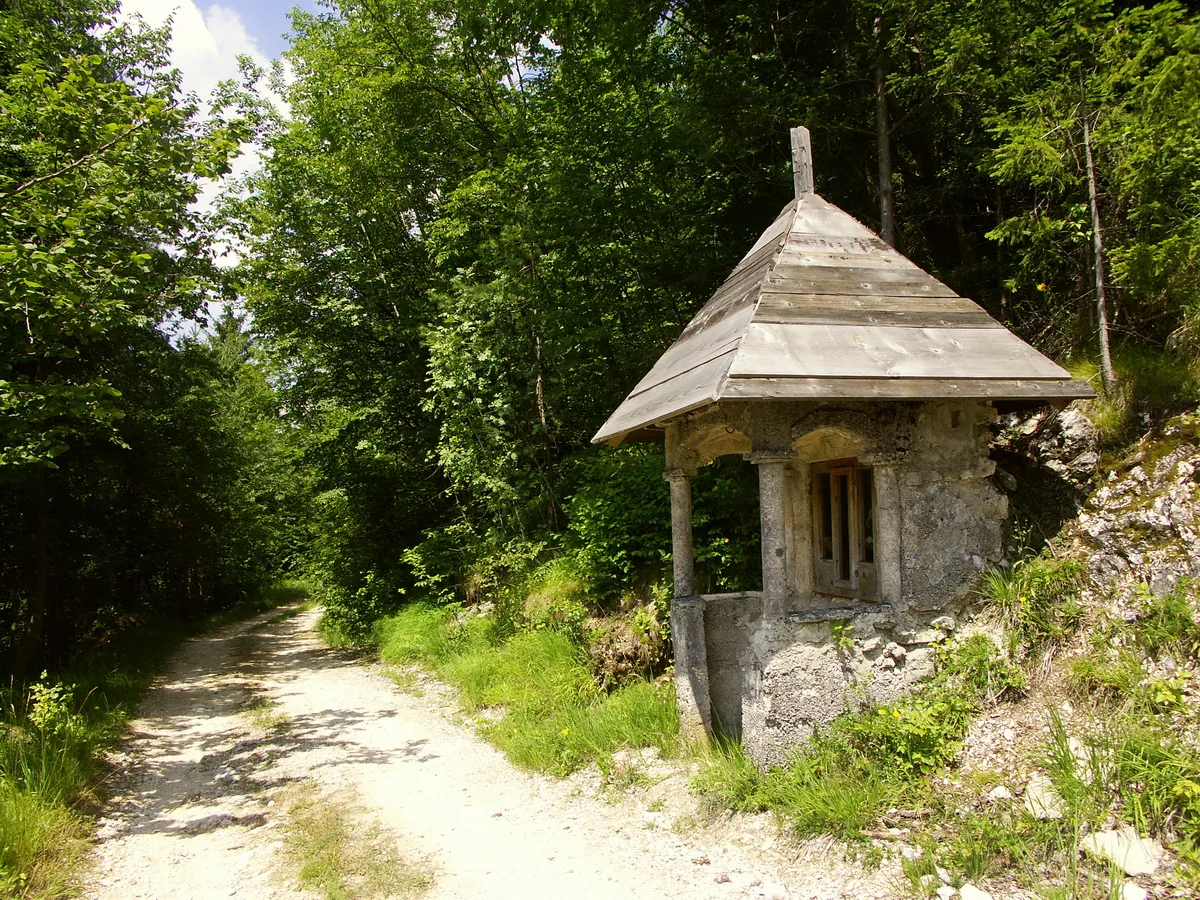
x,y
479,224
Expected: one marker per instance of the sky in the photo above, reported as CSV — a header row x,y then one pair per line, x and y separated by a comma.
x,y
207,38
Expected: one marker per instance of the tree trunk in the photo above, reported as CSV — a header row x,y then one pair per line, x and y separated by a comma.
x,y
548,447
31,640
1107,375
887,212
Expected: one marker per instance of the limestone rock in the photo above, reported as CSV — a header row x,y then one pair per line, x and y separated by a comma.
x,y
1131,890
945,892
1143,525
970,892
1000,792
1135,855
1041,799
1063,442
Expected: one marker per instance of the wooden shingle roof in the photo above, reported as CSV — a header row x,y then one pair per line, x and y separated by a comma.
x,y
820,309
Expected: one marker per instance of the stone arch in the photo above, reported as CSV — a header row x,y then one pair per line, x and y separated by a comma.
x,y
832,434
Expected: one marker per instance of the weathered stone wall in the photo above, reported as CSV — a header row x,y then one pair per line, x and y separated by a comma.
x,y
951,513
729,622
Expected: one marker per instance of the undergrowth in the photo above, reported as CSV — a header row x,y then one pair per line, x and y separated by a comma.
x,y
1152,386
545,709
52,734
1126,754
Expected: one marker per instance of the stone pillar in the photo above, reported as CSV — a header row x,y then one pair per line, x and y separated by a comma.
x,y
801,543
887,533
681,532
772,498
691,668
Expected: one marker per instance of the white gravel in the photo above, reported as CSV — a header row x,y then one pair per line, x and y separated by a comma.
x,y
193,814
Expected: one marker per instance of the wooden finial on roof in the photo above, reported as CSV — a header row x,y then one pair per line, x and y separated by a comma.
x,y
802,170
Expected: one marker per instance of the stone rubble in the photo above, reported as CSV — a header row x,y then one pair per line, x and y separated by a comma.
x,y
1135,855
1041,800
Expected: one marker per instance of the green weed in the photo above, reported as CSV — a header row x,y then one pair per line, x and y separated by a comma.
x,y
340,857
1037,598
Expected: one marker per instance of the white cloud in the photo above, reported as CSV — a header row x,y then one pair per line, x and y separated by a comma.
x,y
205,44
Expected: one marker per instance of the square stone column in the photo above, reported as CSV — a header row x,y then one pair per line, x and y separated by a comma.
x,y
682,558
774,512
687,618
691,669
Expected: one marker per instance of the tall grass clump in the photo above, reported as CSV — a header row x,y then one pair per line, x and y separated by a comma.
x,y
1037,598
545,708
47,765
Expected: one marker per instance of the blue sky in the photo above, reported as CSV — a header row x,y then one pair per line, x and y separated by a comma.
x,y
266,20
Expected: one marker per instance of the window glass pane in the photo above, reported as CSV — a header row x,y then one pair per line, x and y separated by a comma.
x,y
825,510
866,507
841,489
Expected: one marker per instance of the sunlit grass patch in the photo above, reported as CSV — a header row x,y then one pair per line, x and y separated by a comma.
x,y
43,846
335,852
264,715
555,717
1152,386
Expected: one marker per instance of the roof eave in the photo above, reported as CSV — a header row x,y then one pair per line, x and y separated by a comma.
x,y
1054,392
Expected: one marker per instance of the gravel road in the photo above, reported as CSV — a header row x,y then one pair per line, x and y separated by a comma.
x,y
199,807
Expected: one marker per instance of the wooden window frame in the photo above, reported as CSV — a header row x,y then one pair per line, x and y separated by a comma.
x,y
844,566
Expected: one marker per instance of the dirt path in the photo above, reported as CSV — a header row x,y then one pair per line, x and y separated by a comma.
x,y
196,814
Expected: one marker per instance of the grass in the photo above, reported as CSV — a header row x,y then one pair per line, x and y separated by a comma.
x,y
264,715
555,718
336,854
1037,599
52,734
1152,386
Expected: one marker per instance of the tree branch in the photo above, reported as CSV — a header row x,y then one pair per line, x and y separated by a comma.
x,y
74,164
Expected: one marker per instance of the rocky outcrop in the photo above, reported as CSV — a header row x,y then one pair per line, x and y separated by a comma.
x,y
1143,524
1062,441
